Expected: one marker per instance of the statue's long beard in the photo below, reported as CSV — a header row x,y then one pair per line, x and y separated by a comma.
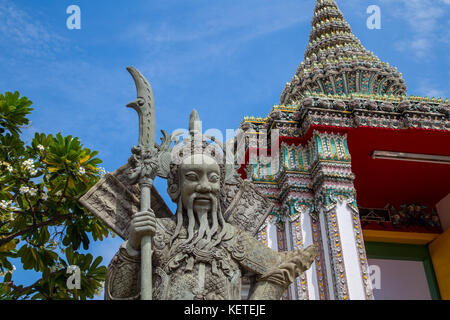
x,y
211,230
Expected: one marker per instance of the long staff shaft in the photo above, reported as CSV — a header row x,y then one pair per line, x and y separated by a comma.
x,y
146,250
145,107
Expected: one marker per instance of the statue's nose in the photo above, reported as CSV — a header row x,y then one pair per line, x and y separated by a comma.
x,y
203,188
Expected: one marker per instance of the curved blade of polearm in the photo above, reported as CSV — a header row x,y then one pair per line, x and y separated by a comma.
x,y
145,107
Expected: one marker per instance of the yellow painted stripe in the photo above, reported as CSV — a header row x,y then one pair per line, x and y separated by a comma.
x,y
440,256
265,182
399,237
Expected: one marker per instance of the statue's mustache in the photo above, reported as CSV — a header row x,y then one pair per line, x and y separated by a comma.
x,y
209,220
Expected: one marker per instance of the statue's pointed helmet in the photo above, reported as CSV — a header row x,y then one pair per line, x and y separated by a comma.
x,y
193,144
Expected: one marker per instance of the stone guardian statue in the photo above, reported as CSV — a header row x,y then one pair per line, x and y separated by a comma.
x,y
204,250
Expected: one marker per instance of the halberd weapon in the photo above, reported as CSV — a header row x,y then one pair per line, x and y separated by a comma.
x,y
148,160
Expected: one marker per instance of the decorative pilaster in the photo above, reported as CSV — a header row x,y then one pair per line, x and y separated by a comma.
x,y
308,223
316,203
335,201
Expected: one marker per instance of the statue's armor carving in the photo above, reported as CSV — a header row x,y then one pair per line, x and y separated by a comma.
x,y
193,273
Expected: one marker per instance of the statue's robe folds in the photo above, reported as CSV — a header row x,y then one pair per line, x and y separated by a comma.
x,y
189,273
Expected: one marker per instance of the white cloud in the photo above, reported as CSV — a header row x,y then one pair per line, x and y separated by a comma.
x,y
434,93
212,32
216,19
429,88
421,46
427,20
25,35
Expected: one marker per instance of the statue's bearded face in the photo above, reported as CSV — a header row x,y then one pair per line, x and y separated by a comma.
x,y
199,194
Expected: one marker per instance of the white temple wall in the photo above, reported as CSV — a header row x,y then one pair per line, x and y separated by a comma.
x,y
289,246
350,252
311,273
272,235
327,256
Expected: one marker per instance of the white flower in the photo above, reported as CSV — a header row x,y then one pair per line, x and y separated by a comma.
x,y
28,190
29,165
59,193
81,171
11,216
40,147
24,189
5,204
44,196
9,168
28,162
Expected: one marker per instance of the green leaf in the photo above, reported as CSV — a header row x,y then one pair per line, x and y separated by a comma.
x,y
7,277
44,236
96,262
58,166
8,246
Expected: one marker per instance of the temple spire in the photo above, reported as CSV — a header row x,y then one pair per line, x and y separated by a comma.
x,y
337,63
329,28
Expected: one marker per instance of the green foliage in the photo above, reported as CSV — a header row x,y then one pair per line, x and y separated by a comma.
x,y
13,112
41,220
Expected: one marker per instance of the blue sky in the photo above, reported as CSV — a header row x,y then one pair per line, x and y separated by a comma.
x,y
227,59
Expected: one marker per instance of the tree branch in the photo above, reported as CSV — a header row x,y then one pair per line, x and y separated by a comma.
x,y
31,208
19,290
63,194
42,224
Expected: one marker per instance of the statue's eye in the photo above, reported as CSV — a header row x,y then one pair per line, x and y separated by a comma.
x,y
191,176
213,178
